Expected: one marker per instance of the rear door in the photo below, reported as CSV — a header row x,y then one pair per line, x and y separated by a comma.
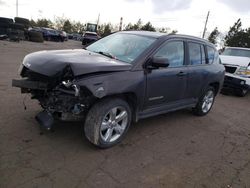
x,y
198,69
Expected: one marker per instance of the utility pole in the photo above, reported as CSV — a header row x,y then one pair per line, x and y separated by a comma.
x,y
98,19
120,26
16,8
205,27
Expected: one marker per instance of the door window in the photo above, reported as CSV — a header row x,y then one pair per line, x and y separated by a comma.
x,y
196,53
174,52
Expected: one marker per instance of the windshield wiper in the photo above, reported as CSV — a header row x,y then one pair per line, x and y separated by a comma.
x,y
107,54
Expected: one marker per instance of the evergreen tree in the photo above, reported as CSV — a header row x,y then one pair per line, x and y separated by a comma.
x,y
213,36
238,37
44,23
148,27
67,26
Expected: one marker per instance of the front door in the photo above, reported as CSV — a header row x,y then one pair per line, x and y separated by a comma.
x,y
167,85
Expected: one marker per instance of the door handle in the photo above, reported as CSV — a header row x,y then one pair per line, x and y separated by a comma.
x,y
181,74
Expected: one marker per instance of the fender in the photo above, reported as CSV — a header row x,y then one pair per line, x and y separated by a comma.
x,y
116,83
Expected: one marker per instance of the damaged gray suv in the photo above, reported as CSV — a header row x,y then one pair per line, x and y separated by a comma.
x,y
122,78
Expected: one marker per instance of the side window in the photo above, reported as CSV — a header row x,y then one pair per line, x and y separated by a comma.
x,y
216,57
210,54
174,51
196,53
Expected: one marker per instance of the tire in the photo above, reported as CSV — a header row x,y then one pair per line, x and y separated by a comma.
x,y
6,20
35,36
101,127
22,21
241,92
4,25
21,35
205,102
3,31
13,34
17,26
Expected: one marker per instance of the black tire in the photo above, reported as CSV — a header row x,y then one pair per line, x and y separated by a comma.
x,y
13,34
21,35
95,118
35,36
6,20
22,21
4,25
198,110
3,31
17,26
241,92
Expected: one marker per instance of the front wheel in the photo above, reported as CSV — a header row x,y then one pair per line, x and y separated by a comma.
x,y
107,122
242,92
205,102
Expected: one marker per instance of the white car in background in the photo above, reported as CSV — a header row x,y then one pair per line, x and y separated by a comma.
x,y
237,64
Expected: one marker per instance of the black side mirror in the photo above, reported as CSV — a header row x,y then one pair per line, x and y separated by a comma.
x,y
157,62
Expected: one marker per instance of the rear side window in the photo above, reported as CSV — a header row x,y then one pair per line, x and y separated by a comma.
x,y
196,54
210,54
174,51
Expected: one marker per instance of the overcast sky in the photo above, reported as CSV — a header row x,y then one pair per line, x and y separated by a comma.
x,y
186,16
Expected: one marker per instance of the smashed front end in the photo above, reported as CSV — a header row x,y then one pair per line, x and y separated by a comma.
x,y
59,95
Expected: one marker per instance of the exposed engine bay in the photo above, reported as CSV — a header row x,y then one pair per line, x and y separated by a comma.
x,y
64,100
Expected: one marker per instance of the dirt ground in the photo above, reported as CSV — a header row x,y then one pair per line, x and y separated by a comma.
x,y
171,150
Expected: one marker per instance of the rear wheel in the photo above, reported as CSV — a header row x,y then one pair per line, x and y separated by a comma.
x,y
205,102
107,122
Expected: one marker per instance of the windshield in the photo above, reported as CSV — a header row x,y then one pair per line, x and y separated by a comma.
x,y
236,52
121,46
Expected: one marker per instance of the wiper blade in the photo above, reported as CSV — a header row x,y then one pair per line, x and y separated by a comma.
x,y
107,54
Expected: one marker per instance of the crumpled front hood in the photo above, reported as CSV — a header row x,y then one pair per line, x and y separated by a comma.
x,y
234,60
81,62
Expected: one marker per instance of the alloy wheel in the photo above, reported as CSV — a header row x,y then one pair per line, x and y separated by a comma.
x,y
207,101
114,124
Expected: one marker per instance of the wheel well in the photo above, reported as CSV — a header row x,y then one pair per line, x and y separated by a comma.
x,y
130,98
216,86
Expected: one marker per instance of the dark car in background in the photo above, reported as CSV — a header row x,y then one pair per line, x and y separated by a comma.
x,y
121,78
75,36
51,34
89,37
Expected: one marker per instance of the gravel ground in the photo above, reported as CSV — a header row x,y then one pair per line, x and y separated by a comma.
x,y
171,150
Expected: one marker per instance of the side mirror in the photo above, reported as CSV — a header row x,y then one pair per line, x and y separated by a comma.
x,y
157,62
